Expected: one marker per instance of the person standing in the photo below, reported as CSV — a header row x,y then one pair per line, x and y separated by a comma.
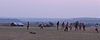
x,y
58,25
27,25
63,25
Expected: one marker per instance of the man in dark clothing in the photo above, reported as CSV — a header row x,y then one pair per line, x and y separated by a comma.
x,y
66,28
63,25
58,25
76,25
27,25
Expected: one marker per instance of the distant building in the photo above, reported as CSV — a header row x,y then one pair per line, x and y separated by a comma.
x,y
17,24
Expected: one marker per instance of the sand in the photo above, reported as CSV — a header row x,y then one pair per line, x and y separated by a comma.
x,y
50,33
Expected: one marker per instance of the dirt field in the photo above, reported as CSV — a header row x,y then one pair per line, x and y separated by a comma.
x,y
15,33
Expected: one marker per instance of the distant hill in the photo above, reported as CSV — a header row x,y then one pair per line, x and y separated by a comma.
x,y
87,21
7,21
36,21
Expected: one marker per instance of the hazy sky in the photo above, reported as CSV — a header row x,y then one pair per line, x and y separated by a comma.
x,y
49,8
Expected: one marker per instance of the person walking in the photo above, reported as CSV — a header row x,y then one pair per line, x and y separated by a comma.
x,y
63,25
80,26
76,25
58,25
66,28
83,26
70,26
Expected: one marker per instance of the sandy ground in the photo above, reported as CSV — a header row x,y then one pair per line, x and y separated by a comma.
x,y
15,33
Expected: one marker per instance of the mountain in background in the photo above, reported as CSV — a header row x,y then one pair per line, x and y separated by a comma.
x,y
37,21
86,20
8,21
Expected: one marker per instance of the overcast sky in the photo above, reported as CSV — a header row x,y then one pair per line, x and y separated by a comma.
x,y
49,8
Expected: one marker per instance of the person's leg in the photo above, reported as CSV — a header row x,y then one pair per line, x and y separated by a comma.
x,y
97,30
66,29
70,28
41,27
76,28
80,28
27,28
57,27
83,28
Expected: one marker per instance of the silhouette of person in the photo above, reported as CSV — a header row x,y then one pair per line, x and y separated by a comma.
x,y
76,25
63,25
80,25
66,28
41,27
27,25
70,26
96,28
83,26
58,25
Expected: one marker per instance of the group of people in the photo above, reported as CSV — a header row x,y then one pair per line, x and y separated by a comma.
x,y
77,26
68,26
